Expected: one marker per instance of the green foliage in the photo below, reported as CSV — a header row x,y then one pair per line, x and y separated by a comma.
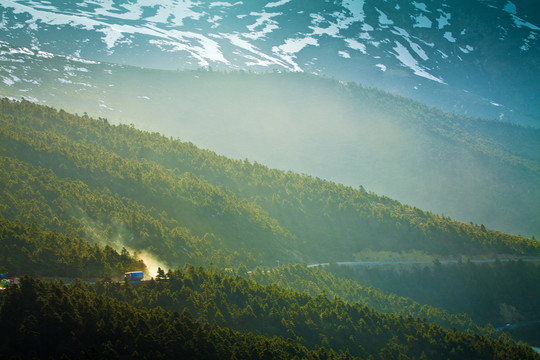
x,y
118,185
317,280
498,293
50,320
479,170
311,321
26,249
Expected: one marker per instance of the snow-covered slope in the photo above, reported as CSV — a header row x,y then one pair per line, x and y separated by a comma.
x,y
478,57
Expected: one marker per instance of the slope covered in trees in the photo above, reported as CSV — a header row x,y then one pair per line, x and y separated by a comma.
x,y
115,184
112,320
75,323
26,249
316,280
457,296
87,182
498,293
473,170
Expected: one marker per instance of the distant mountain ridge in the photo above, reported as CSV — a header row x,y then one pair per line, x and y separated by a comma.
x,y
479,58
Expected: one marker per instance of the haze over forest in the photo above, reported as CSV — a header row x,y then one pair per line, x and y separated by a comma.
x,y
353,179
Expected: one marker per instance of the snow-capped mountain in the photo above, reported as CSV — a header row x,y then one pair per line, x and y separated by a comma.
x,y
478,57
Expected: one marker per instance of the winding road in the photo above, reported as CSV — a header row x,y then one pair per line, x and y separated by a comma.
x,y
412,262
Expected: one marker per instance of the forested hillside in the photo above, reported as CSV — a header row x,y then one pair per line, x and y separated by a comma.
x,y
77,323
483,171
316,280
118,185
112,320
494,299
75,192
499,293
27,249
285,179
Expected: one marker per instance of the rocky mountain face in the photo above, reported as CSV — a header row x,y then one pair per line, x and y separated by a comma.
x,y
474,57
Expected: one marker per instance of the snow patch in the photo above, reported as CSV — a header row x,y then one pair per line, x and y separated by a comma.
x,y
419,51
526,42
421,7
444,56
73,68
45,55
422,21
126,11
401,32
203,50
174,12
503,32
112,36
264,19
344,54
277,3
255,61
448,36
332,29
356,45
104,106
167,12
414,46
214,21
405,57
443,20
510,8
25,97
287,50
8,81
263,60
381,66
21,50
293,46
340,20
518,22
356,8
32,81
224,4
83,61
383,19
